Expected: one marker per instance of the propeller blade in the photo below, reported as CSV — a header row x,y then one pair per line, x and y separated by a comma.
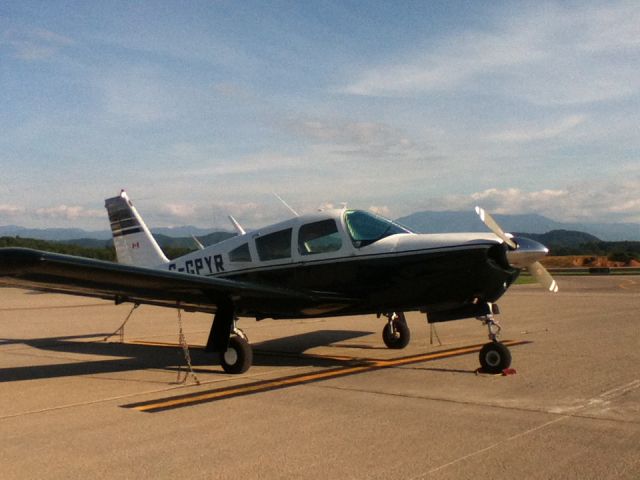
x,y
543,277
494,227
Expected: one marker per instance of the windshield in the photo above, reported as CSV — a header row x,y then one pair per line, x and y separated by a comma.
x,y
366,228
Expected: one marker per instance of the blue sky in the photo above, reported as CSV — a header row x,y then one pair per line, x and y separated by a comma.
x,y
203,109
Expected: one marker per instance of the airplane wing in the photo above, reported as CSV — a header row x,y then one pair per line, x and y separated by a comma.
x,y
52,272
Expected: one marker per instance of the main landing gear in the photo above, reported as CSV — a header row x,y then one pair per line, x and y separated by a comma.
x,y
494,356
396,333
239,355
228,341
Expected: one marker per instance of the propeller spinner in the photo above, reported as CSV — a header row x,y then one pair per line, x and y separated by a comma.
x,y
523,252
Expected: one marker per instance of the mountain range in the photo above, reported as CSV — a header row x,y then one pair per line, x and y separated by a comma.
x,y
423,222
441,222
62,234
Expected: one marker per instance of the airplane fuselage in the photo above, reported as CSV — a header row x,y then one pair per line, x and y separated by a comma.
x,y
351,254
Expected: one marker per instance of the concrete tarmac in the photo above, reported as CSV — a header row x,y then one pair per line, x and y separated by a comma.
x,y
324,398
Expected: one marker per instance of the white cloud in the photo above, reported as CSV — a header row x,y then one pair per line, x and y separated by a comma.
x,y
10,210
356,150
450,64
356,136
383,210
67,212
35,44
594,201
535,132
178,210
549,55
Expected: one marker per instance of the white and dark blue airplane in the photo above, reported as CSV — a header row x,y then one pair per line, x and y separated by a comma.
x,y
329,263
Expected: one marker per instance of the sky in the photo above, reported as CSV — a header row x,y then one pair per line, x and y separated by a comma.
x,y
202,109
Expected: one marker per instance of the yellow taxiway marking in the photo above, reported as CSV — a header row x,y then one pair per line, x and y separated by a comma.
x,y
278,383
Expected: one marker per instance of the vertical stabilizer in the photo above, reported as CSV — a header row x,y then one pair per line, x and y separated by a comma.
x,y
132,239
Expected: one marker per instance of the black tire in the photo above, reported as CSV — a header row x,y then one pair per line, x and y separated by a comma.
x,y
494,357
397,335
238,357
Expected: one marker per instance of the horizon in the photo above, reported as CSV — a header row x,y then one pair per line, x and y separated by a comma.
x,y
469,217
204,109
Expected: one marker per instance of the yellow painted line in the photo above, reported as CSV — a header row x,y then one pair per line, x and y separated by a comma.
x,y
426,357
267,385
245,389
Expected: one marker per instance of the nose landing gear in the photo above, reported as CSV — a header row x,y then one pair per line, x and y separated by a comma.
x,y
396,333
494,356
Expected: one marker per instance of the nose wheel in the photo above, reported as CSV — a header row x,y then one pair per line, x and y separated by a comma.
x,y
494,356
396,333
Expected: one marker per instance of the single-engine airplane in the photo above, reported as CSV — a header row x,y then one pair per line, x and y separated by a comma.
x,y
328,263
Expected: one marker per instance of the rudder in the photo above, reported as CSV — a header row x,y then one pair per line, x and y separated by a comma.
x,y
132,239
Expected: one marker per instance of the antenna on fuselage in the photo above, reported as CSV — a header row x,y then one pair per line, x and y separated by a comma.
x,y
198,243
286,204
236,225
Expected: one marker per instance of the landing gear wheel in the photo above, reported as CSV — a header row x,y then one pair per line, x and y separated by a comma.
x,y
396,333
238,357
241,334
494,357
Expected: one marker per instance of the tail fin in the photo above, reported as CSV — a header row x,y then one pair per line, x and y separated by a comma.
x,y
132,239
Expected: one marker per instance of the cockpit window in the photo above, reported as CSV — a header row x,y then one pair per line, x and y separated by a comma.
x,y
366,228
319,237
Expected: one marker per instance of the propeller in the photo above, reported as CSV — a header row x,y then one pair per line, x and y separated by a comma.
x,y
495,228
523,252
543,276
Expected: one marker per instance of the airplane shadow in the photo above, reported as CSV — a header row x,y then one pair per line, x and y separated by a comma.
x,y
286,351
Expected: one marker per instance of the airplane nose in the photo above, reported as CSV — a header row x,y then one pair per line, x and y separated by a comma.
x,y
528,252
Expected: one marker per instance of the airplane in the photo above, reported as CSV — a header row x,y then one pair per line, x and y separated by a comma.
x,y
333,262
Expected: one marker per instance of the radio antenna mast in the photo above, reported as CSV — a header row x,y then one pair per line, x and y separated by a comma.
x,y
286,204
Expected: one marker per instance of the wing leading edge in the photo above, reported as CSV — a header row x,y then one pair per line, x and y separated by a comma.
x,y
52,272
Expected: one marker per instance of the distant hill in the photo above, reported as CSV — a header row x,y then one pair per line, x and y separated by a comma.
x,y
100,253
422,222
559,242
53,234
468,221
569,242
63,234
561,238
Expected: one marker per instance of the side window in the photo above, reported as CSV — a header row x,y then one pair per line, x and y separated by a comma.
x,y
240,254
275,245
319,237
